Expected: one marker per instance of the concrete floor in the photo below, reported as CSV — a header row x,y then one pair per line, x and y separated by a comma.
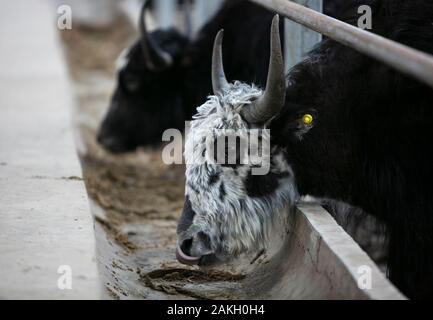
x,y
44,216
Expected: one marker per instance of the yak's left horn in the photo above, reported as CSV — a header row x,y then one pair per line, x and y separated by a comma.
x,y
219,81
272,100
155,57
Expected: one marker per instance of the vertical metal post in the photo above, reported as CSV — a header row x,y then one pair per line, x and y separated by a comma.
x,y
298,39
166,13
204,10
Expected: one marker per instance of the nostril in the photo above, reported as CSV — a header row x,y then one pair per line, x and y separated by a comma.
x,y
112,144
107,142
186,246
183,253
99,138
102,139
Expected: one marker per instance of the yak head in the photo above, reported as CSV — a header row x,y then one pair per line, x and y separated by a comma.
x,y
234,191
147,99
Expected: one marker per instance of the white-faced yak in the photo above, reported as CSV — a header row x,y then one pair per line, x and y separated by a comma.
x,y
346,127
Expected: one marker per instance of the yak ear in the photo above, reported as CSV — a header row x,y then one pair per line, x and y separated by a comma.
x,y
302,122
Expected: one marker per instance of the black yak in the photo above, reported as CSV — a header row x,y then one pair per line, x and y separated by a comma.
x,y
346,127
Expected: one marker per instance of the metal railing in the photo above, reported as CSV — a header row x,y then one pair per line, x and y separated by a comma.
x,y
300,40
401,57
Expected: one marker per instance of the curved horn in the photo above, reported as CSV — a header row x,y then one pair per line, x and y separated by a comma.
x,y
219,81
155,57
272,100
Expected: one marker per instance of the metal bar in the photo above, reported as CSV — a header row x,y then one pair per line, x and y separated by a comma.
x,y
298,40
403,58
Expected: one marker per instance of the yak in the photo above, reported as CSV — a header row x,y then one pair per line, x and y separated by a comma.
x,y
165,75
344,127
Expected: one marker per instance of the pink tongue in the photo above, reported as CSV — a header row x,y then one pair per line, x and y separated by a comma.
x,y
185,259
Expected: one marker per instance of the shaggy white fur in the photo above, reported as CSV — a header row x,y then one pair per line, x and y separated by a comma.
x,y
234,221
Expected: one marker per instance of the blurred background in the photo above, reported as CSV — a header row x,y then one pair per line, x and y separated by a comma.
x,y
102,13
102,29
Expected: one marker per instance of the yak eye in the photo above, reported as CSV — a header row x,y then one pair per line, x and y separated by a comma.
x,y
131,82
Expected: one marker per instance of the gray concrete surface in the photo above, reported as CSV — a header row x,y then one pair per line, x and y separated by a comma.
x,y
335,258
44,215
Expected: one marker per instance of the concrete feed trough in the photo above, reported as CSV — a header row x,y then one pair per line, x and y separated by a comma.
x,y
318,260
136,202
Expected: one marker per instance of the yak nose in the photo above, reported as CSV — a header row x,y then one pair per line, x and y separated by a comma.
x,y
191,250
186,246
183,253
111,144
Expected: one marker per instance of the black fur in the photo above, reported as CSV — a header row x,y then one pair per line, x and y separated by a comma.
x,y
222,191
370,144
145,102
258,186
214,178
188,215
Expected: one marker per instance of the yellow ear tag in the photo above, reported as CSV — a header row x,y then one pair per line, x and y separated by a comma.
x,y
307,119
